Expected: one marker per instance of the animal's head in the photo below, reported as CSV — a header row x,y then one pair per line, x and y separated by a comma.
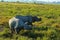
x,y
36,19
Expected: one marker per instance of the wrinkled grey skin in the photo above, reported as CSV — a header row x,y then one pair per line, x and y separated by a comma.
x,y
22,22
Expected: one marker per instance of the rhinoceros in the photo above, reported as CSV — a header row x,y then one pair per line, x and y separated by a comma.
x,y
22,22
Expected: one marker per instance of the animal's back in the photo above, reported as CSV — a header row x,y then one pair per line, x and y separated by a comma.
x,y
24,18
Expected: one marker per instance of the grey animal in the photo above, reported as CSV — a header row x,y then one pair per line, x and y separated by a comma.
x,y
22,22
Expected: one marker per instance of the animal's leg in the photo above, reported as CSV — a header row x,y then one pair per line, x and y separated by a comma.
x,y
12,30
27,27
17,30
28,23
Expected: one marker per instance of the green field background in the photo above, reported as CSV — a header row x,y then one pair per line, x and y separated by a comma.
x,y
47,29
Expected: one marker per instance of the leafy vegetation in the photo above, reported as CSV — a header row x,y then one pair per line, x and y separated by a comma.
x,y
47,29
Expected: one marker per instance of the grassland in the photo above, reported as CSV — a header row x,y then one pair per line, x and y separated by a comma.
x,y
47,29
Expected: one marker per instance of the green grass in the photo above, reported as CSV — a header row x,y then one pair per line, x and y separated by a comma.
x,y
47,29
